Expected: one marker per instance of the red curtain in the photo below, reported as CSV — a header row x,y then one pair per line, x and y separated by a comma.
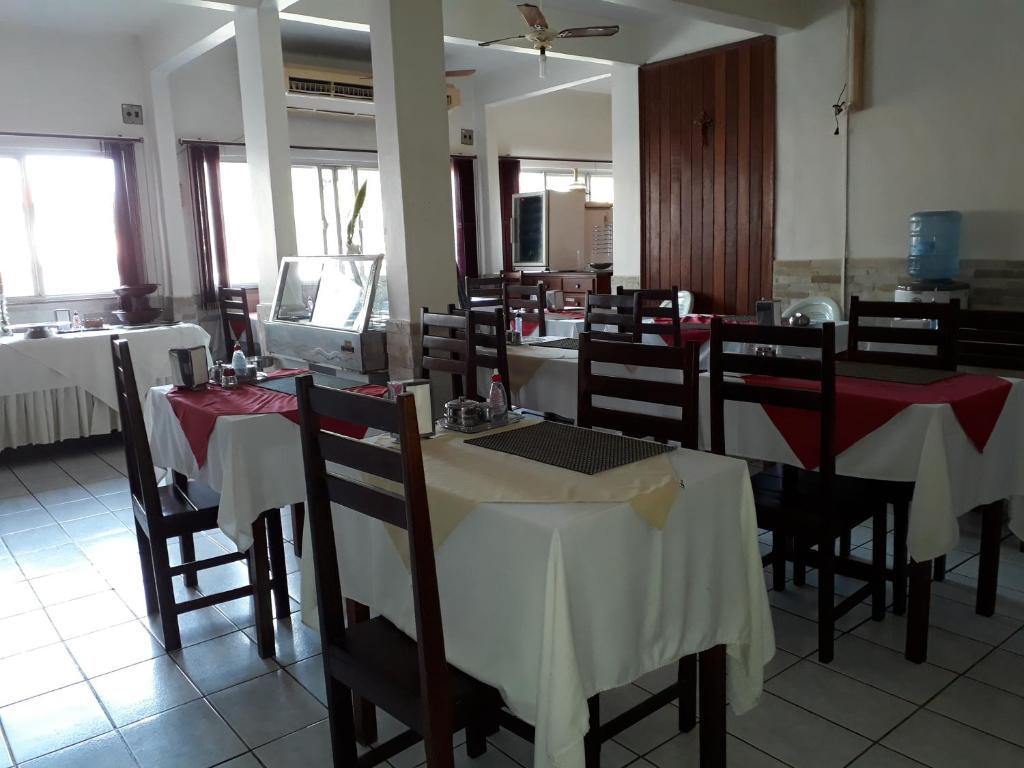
x,y
508,185
465,217
127,219
208,216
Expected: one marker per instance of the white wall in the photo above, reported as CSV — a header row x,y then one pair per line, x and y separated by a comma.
x,y
941,129
569,123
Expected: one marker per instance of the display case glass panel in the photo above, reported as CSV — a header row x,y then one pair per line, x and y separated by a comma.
x,y
346,293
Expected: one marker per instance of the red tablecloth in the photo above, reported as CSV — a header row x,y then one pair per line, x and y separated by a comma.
x,y
198,411
529,326
864,405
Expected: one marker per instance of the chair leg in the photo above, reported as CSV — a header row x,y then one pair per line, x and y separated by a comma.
x,y
901,515
259,576
780,540
712,708
476,736
165,595
344,752
799,561
146,563
298,524
365,713
278,569
592,741
940,569
187,547
686,679
826,596
988,565
878,536
845,544
918,611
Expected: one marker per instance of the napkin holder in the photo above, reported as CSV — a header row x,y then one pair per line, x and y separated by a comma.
x,y
420,390
188,367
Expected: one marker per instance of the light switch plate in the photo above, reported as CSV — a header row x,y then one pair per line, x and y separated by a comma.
x,y
467,137
131,114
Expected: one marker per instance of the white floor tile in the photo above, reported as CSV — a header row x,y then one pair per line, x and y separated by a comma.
x,y
191,736
27,520
945,649
93,527
63,586
841,699
294,640
10,573
1015,643
61,495
17,598
35,672
222,662
983,707
684,752
114,648
45,537
1001,669
244,761
85,615
76,510
794,634
310,673
267,708
108,751
796,736
25,632
53,721
46,561
144,689
880,757
310,746
939,742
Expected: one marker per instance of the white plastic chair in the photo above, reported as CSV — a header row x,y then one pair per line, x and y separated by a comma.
x,y
820,309
685,300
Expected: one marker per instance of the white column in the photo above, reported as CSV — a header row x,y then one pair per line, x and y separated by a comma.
x,y
486,173
265,120
626,171
178,268
406,38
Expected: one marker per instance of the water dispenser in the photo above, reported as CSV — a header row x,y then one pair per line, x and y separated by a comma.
x,y
933,259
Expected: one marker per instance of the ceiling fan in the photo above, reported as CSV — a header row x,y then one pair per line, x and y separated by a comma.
x,y
542,37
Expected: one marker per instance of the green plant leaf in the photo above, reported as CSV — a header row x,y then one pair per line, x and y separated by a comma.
x,y
356,210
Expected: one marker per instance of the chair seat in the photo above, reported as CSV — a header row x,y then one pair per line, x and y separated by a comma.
x,y
855,498
182,515
383,662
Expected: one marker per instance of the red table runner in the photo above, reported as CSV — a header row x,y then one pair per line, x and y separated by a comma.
x,y
864,405
198,411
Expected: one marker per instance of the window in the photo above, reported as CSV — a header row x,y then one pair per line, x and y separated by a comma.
x,y
323,197
57,230
599,184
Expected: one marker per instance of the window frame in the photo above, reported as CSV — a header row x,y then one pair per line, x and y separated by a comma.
x,y
555,168
20,153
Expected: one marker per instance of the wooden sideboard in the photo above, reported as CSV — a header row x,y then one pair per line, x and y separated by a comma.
x,y
574,285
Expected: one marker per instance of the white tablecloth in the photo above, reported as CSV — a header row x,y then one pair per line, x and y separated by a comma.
x,y
924,444
565,600
62,387
552,603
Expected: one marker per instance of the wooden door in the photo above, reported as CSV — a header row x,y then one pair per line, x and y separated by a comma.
x,y
707,157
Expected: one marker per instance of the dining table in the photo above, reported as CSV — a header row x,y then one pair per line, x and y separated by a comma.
x,y
579,583
62,387
959,441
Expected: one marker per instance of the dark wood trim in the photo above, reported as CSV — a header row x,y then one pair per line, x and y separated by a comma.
x,y
708,52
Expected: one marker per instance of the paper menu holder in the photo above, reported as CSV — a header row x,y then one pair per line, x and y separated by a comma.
x,y
420,390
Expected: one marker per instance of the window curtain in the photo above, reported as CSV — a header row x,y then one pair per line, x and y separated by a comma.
x,y
465,218
127,218
508,185
208,217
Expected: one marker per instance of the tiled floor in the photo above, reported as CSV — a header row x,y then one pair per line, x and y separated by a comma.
x,y
84,681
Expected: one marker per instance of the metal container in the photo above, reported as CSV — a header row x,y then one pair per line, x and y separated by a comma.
x,y
463,413
556,300
188,367
769,312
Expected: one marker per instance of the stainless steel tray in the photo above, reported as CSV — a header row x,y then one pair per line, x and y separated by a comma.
x,y
484,427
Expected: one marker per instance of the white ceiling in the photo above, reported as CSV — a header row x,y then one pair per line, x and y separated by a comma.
x,y
117,17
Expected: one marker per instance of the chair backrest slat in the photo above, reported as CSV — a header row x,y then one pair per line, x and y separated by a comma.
x,y
234,315
943,337
361,456
647,310
532,299
445,350
484,291
991,339
615,310
630,386
408,510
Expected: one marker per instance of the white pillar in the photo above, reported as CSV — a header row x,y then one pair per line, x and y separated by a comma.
x,y
626,172
178,268
486,171
406,38
265,120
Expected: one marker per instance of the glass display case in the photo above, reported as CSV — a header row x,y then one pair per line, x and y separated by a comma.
x,y
330,312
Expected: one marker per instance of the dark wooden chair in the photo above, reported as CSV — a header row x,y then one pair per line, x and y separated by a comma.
x,y
445,350
372,659
628,387
181,510
990,339
484,292
943,337
531,300
648,310
617,311
235,310
811,508
486,330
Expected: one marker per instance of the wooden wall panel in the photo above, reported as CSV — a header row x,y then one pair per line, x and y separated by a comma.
x,y
707,133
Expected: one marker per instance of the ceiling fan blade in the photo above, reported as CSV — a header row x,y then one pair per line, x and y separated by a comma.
x,y
589,31
533,15
459,72
502,40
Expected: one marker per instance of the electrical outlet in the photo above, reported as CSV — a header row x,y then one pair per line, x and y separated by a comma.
x,y
131,114
467,137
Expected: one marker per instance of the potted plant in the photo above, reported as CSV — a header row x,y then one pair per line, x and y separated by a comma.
x,y
357,207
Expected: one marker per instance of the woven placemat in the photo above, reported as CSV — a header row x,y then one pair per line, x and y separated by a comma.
x,y
560,445
899,374
559,344
286,384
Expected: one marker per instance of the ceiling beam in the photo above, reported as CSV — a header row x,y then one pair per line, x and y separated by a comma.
x,y
218,5
759,16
